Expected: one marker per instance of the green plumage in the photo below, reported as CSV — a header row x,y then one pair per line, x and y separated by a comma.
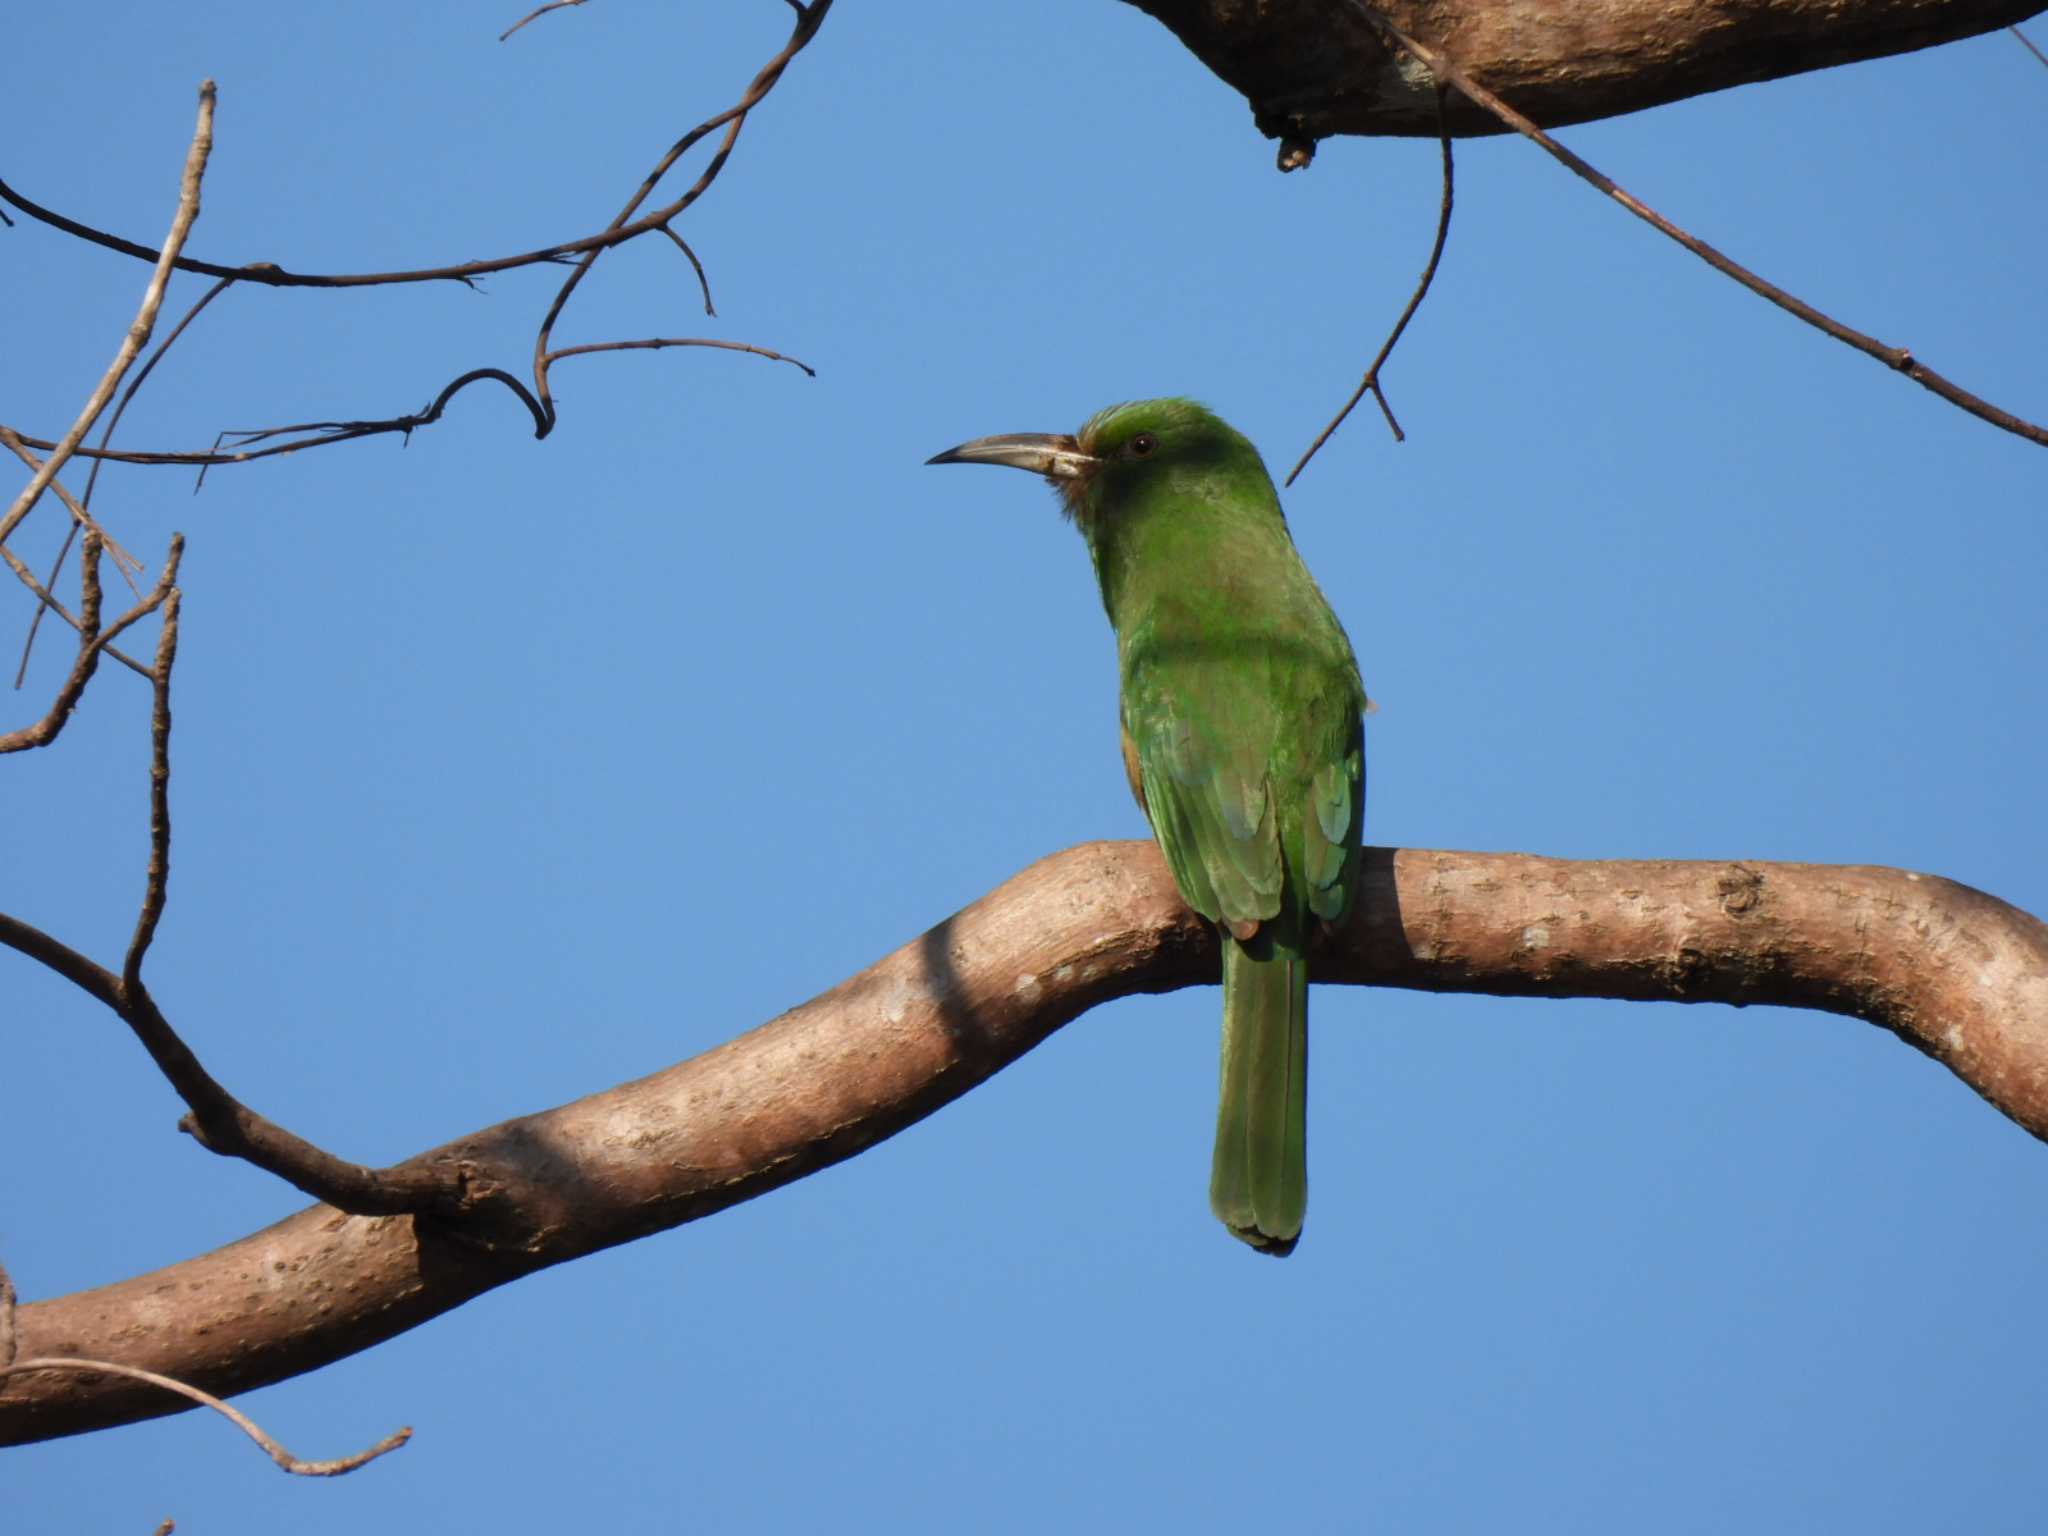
x,y
1240,704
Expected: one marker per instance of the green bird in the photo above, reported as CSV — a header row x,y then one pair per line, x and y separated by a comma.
x,y
1242,738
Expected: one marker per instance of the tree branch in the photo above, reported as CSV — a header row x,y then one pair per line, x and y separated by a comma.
x,y
1311,70
1956,973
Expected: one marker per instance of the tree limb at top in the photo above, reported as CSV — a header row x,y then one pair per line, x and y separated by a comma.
x,y
1958,974
1310,71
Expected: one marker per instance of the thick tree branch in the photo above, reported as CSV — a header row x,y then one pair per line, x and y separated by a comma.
x,y
1956,973
1310,70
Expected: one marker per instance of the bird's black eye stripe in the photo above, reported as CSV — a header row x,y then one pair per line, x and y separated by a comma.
x,y
1143,444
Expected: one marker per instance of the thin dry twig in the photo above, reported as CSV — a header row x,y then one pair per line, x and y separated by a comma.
x,y
808,19
580,254
127,563
145,318
656,343
277,1453
1899,359
346,431
270,274
1371,381
44,598
92,641
552,5
156,884
2027,43
703,282
10,1366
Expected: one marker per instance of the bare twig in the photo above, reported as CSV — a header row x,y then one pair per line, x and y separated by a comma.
x,y
277,1453
2027,43
10,1366
271,275
580,254
44,598
658,342
156,885
342,431
142,374
81,517
552,5
127,563
1371,381
703,282
1899,359
808,19
145,318
91,639
1380,399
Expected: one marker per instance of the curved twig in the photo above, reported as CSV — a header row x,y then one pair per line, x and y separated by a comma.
x,y
270,274
10,1365
808,19
656,343
703,282
248,1426
1371,381
339,431
552,5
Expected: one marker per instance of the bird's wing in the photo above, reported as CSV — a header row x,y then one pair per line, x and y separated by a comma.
x,y
1210,801
1330,834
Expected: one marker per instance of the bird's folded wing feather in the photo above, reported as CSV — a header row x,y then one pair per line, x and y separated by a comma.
x,y
1211,805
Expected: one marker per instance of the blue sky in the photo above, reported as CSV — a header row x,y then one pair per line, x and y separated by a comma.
x,y
507,770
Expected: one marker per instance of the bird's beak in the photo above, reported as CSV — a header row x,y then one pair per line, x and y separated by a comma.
x,y
1051,454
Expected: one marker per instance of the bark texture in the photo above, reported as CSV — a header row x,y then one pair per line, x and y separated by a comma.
x,y
1958,974
1313,68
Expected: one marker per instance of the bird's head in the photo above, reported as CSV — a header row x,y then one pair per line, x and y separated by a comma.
x,y
1117,455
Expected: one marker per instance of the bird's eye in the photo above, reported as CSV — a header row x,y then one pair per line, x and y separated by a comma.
x,y
1143,444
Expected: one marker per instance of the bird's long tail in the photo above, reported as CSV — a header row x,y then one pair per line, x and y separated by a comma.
x,y
1258,1183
